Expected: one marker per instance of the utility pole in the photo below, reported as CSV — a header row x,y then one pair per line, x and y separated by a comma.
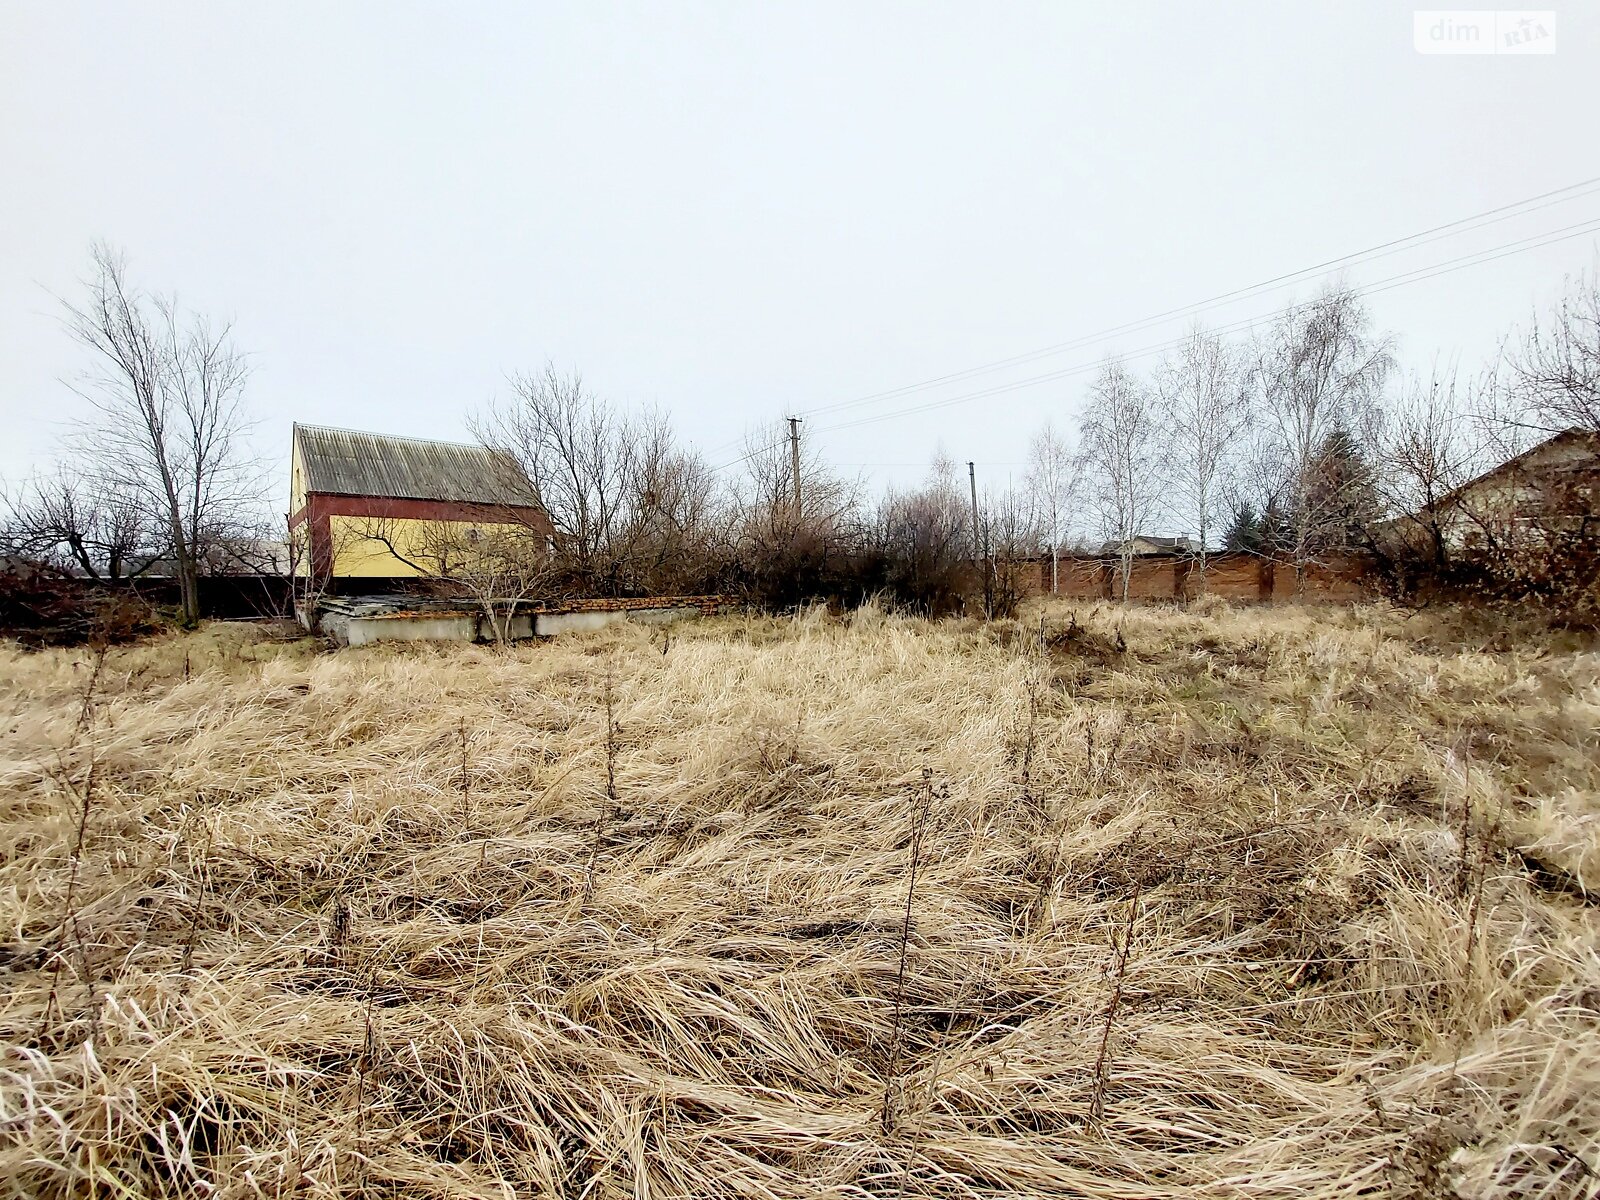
x,y
972,478
978,559
794,462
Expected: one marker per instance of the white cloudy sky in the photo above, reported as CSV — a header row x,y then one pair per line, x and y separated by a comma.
x,y
737,211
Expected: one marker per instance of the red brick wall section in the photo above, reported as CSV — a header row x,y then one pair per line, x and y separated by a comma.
x,y
1233,576
1336,579
1082,578
1148,579
1030,577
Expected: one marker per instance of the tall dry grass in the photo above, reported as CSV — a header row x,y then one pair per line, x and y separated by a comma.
x,y
1270,903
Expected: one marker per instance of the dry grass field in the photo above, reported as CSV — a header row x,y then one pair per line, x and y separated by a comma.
x,y
1219,902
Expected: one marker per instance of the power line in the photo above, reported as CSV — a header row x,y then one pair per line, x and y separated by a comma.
x,y
1404,278
748,455
1476,258
1466,224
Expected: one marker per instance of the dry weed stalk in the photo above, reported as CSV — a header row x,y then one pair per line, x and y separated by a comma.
x,y
1119,971
921,806
466,779
200,877
603,821
84,795
1030,737
86,705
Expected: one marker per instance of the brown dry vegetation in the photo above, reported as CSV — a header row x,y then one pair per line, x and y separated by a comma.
x,y
1272,902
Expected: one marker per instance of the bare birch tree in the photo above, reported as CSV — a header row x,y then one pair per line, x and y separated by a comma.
x,y
168,417
1120,441
1204,396
1318,372
1052,481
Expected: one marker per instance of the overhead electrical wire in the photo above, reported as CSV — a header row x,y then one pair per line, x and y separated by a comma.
x,y
1417,275
1503,212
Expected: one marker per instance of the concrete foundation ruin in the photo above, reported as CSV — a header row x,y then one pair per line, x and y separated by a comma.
x,y
362,620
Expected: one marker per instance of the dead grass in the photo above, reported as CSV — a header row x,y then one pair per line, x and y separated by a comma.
x,y
1229,902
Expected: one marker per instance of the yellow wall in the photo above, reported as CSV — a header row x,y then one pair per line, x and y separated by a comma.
x,y
297,481
357,555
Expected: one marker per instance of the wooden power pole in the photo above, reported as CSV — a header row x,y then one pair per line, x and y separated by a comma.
x,y
794,461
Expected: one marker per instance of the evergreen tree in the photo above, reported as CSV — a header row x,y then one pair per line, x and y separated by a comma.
x,y
1244,528
1341,490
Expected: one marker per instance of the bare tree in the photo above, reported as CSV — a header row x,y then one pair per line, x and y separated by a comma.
x,y
499,559
501,566
632,509
1012,536
918,545
1473,517
675,529
577,452
1554,370
1204,394
73,521
1120,443
1318,373
168,417
1428,448
1053,479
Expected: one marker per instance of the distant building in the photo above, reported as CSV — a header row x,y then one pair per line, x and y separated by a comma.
x,y
368,505
227,556
1144,543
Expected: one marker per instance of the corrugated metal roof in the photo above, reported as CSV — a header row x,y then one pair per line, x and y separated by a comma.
x,y
345,462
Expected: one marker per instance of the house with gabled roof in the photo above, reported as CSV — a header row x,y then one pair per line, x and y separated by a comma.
x,y
1553,486
367,506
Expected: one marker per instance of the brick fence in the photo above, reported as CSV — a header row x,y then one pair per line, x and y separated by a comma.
x,y
1232,575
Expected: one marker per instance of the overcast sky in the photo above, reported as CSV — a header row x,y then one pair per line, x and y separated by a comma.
x,y
739,211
